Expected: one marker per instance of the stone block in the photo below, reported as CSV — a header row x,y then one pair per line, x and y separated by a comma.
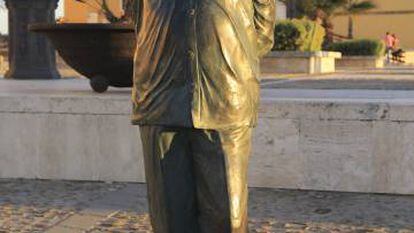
x,y
66,146
299,62
83,222
325,109
19,140
276,160
360,62
393,157
60,229
338,155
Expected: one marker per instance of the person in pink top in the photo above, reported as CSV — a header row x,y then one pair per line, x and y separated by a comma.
x,y
396,42
397,51
389,43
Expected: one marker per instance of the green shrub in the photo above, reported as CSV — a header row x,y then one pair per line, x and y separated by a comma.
x,y
289,35
363,47
298,34
314,37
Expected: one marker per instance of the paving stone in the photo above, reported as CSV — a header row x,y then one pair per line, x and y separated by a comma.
x,y
31,206
97,211
37,205
81,221
60,229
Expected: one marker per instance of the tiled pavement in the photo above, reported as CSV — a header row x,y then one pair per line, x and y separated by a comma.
x,y
92,207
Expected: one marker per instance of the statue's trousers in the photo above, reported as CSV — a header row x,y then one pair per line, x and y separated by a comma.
x,y
197,179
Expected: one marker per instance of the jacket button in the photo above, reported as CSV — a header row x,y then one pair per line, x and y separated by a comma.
x,y
191,12
191,54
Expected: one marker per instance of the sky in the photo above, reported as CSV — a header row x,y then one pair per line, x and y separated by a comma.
x,y
3,16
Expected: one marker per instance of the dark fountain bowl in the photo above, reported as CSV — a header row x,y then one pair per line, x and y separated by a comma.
x,y
101,52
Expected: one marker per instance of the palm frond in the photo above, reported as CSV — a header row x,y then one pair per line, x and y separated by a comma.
x,y
360,6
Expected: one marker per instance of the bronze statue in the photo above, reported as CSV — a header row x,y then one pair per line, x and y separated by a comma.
x,y
195,97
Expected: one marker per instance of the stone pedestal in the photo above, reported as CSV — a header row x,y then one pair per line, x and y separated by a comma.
x,y
31,56
293,62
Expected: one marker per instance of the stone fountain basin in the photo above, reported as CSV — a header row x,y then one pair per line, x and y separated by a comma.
x,y
101,52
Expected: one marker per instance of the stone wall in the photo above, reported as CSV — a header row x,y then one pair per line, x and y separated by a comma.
x,y
360,62
356,143
355,146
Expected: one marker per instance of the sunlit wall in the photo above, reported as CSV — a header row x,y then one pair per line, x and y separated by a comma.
x,y
76,12
395,16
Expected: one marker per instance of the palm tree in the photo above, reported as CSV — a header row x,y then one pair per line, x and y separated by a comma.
x,y
354,7
319,9
310,8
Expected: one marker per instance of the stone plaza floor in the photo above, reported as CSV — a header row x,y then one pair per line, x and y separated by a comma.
x,y
92,207
388,78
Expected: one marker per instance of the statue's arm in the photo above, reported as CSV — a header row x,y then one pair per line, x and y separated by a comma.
x,y
265,19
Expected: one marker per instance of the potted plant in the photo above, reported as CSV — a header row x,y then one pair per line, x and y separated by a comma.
x,y
101,52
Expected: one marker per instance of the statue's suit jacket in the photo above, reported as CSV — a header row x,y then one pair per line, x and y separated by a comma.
x,y
197,61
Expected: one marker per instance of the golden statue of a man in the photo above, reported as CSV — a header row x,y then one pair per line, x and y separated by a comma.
x,y
195,98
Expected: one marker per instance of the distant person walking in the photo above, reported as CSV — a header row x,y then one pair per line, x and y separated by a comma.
x,y
396,41
397,52
389,43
